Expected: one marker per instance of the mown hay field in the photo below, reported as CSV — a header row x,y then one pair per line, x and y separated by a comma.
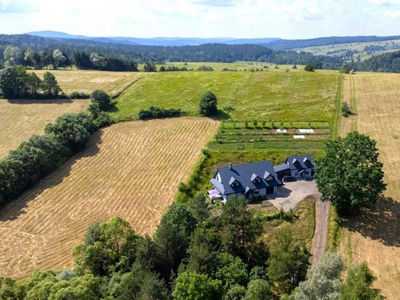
x,y
276,95
131,170
374,236
88,81
20,119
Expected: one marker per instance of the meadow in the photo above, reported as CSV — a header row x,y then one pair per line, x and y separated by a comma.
x,y
131,170
88,81
276,95
374,236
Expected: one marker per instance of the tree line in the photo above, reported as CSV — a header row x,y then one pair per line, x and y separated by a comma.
x,y
42,154
194,255
158,54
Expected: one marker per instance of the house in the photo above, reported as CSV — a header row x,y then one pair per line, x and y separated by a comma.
x,y
247,180
299,166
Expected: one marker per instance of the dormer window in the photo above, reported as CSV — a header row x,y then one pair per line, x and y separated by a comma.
x,y
233,182
255,178
268,176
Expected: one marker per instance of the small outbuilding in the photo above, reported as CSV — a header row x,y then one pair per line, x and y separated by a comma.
x,y
301,166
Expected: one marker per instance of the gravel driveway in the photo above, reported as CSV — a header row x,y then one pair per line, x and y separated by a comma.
x,y
291,193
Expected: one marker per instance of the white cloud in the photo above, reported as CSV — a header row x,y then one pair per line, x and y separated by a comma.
x,y
203,18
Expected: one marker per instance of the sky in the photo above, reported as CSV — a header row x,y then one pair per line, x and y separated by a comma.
x,y
290,19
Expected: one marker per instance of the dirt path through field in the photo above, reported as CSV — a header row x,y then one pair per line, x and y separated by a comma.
x,y
321,230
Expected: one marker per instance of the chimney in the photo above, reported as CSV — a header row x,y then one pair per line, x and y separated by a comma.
x,y
230,166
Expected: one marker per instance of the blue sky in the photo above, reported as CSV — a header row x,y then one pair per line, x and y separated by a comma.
x,y
203,18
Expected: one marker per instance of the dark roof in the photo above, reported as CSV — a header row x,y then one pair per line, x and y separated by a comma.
x,y
245,175
282,167
300,162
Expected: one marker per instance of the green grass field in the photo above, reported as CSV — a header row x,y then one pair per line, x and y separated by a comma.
x,y
275,95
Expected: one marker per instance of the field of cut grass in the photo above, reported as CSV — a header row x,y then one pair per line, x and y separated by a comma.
x,y
374,236
276,95
88,81
22,118
130,169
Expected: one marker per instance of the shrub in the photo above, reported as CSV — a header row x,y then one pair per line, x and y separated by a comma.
x,y
102,99
309,67
79,95
157,113
208,104
345,109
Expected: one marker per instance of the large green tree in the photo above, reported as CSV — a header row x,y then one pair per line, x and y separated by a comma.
x,y
50,85
288,263
102,99
8,82
193,286
258,290
208,104
350,176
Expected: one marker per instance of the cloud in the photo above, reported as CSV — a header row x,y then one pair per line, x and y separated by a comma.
x,y
219,3
15,7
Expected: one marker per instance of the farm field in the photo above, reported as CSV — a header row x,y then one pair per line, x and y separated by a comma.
x,y
276,95
374,236
88,81
129,169
340,49
23,118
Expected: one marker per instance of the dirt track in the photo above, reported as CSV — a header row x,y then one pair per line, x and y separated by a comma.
x,y
321,230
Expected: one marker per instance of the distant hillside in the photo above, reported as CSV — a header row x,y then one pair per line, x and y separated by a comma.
x,y
388,62
157,41
139,53
324,41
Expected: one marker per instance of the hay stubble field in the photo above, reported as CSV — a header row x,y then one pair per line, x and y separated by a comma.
x,y
130,169
374,236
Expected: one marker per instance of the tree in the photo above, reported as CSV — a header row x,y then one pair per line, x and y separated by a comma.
x,y
236,292
309,67
50,85
72,130
358,284
240,229
59,58
229,269
173,237
111,248
12,55
33,85
193,286
8,82
199,208
258,290
150,67
102,99
350,176
323,280
288,262
345,69
208,104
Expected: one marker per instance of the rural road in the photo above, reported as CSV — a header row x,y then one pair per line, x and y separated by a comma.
x,y
321,230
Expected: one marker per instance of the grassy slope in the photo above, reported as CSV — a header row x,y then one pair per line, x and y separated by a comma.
x,y
273,95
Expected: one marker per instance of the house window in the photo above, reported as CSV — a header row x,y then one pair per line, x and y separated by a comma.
x,y
269,178
256,191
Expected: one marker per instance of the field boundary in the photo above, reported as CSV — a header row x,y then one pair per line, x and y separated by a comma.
x,y
339,98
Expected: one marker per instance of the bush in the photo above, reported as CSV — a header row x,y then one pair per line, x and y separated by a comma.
x,y
345,109
309,67
79,95
102,99
205,68
208,104
157,113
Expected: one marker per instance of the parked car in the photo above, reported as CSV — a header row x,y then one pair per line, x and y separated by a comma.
x,y
288,178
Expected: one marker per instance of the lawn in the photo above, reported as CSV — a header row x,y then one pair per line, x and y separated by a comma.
x,y
275,95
